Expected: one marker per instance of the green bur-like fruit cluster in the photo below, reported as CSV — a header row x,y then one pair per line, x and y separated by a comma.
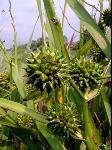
x,y
46,70
4,80
102,26
63,121
86,74
25,121
106,17
96,53
30,88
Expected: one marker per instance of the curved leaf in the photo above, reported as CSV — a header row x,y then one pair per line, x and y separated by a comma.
x,y
19,108
56,29
52,140
91,26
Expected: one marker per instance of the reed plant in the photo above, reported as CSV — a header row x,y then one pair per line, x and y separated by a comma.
x,y
50,100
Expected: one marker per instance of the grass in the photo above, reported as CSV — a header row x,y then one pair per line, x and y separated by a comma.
x,y
52,88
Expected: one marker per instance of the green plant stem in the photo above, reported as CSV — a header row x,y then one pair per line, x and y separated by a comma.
x,y
39,4
92,139
81,28
101,9
63,19
56,30
89,143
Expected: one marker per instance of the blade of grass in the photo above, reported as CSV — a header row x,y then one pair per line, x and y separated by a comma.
x,y
106,104
50,35
19,108
91,134
81,28
63,19
31,37
101,8
18,79
56,29
39,4
52,140
84,49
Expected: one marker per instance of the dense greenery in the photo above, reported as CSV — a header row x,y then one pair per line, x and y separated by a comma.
x,y
52,100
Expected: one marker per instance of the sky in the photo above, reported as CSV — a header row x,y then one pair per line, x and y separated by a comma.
x,y
25,14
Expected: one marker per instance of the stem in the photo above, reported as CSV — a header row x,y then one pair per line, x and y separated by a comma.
x,y
81,28
92,139
11,78
101,9
63,19
15,33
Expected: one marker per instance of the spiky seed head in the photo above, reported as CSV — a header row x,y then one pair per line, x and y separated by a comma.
x,y
4,80
85,73
63,120
96,53
106,17
25,121
48,73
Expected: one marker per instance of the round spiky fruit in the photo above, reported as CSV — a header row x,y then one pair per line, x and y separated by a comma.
x,y
30,88
86,73
106,17
4,80
46,70
102,26
25,121
63,121
96,53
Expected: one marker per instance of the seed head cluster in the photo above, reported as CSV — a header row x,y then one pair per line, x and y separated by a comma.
x,y
86,73
46,70
63,120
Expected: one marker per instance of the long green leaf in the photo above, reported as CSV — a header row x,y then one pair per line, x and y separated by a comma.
x,y
31,37
5,55
19,108
40,11
39,4
74,97
18,79
52,140
50,35
81,28
91,135
84,49
91,26
106,104
56,29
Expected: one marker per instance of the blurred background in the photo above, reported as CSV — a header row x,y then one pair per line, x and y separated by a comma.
x,y
25,14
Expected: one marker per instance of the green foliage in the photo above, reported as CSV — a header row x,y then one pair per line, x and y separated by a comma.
x,y
83,124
